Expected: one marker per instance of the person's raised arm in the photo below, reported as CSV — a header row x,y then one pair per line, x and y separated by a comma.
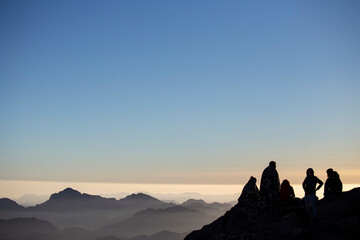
x,y
320,184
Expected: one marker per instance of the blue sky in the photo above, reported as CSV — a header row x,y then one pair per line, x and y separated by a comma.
x,y
178,91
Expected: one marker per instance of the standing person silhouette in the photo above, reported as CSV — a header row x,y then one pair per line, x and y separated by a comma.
x,y
309,186
270,190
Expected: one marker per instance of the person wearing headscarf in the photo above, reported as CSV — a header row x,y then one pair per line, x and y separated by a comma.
x,y
286,191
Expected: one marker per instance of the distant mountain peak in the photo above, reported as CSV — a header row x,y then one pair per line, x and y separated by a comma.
x,y
66,194
6,200
192,201
178,209
8,204
139,196
69,189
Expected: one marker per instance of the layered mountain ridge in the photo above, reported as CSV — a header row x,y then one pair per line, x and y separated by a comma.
x,y
86,216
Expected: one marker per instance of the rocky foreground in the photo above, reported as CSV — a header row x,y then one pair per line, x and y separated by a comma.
x,y
339,218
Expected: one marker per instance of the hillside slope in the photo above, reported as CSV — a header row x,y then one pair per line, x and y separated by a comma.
x,y
339,218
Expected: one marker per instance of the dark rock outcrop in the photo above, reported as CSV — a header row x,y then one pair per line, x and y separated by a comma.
x,y
339,218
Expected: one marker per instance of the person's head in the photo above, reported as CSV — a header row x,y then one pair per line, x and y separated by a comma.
x,y
336,174
310,172
329,172
272,164
252,180
285,182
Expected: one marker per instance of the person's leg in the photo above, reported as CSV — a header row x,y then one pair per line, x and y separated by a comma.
x,y
313,201
307,204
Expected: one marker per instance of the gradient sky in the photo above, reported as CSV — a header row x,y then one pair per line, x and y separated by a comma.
x,y
199,92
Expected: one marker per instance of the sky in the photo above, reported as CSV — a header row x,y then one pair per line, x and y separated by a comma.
x,y
178,92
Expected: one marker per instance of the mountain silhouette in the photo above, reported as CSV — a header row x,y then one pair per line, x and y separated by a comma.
x,y
194,201
175,219
339,218
70,194
138,196
35,229
144,200
31,199
163,235
26,228
7,204
222,206
214,209
70,208
108,238
72,200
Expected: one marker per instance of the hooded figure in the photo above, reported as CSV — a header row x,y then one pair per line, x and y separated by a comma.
x,y
250,193
248,200
270,190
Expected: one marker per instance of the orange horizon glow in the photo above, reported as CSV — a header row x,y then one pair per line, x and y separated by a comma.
x,y
15,189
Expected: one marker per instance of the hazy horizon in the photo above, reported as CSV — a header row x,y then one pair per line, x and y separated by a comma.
x,y
169,192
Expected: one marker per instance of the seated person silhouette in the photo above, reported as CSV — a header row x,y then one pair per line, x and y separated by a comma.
x,y
250,193
286,192
333,184
248,200
338,186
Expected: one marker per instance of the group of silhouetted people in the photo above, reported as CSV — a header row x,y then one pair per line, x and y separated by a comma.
x,y
271,195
